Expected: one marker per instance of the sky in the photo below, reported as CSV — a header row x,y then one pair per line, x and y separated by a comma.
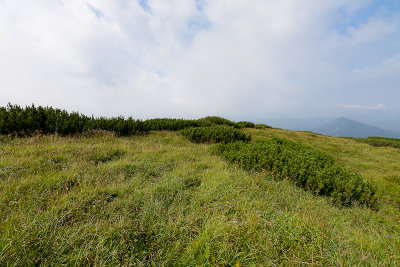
x,y
240,59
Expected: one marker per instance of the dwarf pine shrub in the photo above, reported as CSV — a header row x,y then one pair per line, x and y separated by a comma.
x,y
170,124
160,124
307,167
47,120
215,134
245,124
262,126
215,120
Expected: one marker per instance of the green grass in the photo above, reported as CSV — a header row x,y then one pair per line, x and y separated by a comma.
x,y
380,141
162,200
379,165
307,167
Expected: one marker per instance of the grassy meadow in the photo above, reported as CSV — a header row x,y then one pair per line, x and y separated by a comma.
x,y
379,165
160,200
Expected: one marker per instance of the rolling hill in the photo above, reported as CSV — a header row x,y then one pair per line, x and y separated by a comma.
x,y
153,198
344,127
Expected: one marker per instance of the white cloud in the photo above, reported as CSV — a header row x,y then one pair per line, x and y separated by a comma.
x,y
230,57
375,29
375,107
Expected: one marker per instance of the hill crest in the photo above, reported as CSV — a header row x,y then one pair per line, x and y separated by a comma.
x,y
344,127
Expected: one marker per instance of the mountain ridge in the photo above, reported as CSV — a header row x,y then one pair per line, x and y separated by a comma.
x,y
344,127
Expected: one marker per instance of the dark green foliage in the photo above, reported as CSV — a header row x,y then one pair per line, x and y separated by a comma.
x,y
262,126
215,134
171,124
180,124
161,124
245,124
121,126
214,120
380,141
47,120
306,166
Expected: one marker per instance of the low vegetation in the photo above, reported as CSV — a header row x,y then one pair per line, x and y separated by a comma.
x,y
215,120
307,167
47,120
159,199
215,134
380,141
378,165
262,126
169,124
245,124
95,196
33,120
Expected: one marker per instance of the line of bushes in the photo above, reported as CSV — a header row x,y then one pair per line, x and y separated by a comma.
x,y
215,134
180,124
307,167
215,120
47,120
170,124
380,141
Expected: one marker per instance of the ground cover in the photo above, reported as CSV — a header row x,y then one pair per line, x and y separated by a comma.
x,y
380,141
160,199
379,165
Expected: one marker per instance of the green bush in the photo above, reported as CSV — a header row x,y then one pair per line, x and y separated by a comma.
x,y
180,124
170,124
46,120
215,134
307,167
245,124
380,141
215,120
262,126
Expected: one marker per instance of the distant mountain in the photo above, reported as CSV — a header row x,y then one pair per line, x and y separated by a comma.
x,y
348,128
384,119
296,124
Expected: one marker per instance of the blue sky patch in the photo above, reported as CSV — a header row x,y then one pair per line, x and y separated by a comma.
x,y
96,11
364,14
145,5
199,24
195,25
160,73
200,4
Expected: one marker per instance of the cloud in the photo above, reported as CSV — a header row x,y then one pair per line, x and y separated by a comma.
x,y
240,59
375,107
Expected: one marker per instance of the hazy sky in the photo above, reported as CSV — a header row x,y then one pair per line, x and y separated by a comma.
x,y
241,59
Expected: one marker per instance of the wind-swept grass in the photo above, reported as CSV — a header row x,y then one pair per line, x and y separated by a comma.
x,y
162,200
379,165
380,141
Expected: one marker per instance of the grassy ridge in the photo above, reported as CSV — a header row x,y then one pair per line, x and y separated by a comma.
x,y
161,200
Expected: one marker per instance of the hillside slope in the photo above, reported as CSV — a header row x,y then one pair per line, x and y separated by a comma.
x,y
348,128
161,200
